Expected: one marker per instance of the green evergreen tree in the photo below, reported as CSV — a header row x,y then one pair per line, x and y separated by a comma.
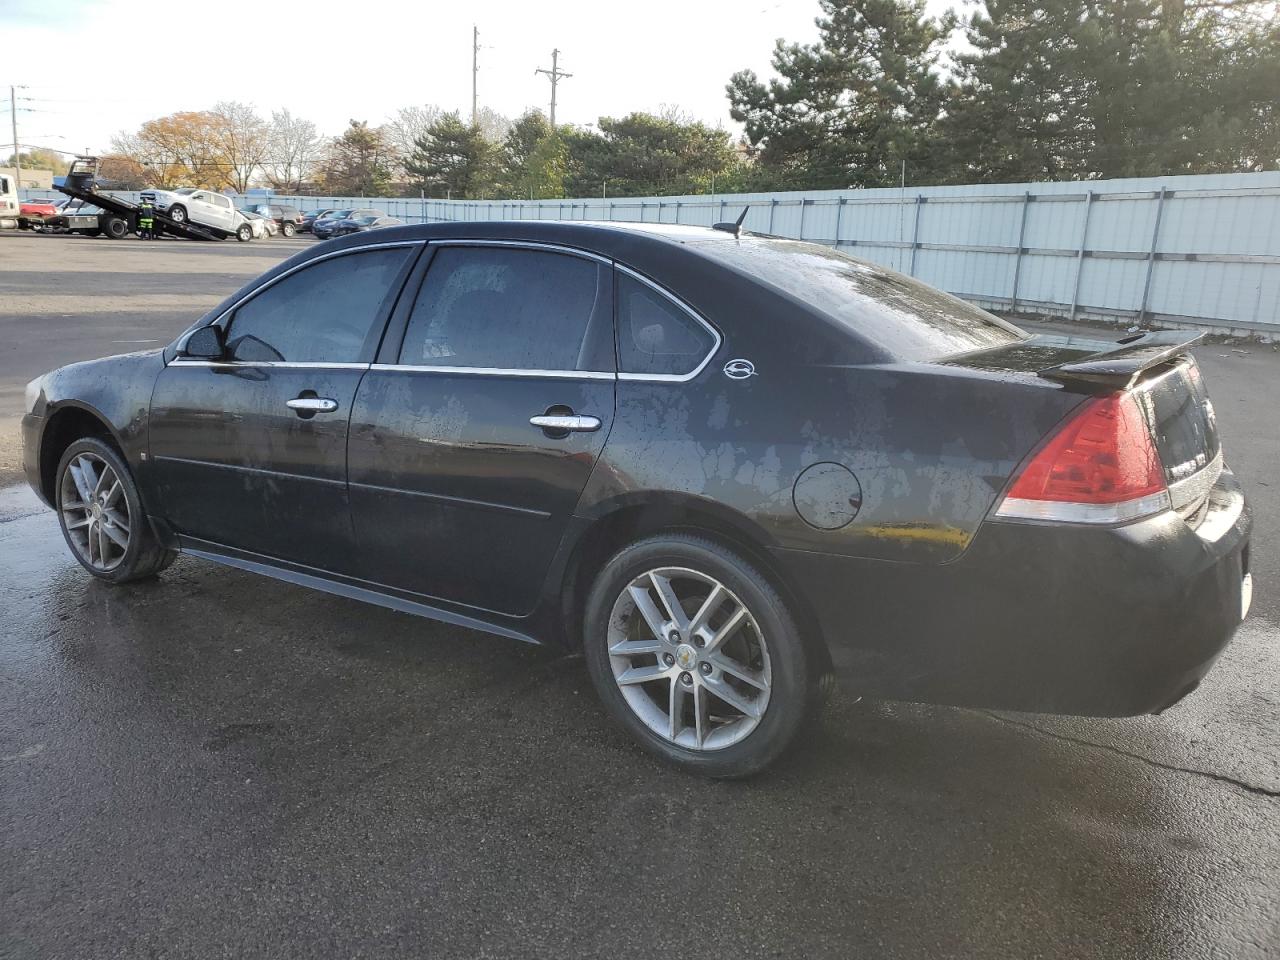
x,y
452,159
534,159
644,154
1061,89
849,109
359,162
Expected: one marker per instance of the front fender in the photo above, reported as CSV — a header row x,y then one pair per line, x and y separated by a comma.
x,y
116,391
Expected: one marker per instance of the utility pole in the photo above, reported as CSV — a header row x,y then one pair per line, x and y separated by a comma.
x,y
17,150
475,71
556,75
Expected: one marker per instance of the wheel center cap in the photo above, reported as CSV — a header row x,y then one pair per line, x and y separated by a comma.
x,y
686,656
96,510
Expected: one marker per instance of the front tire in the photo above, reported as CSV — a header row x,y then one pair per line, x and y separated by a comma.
x,y
244,233
177,213
288,229
693,651
101,516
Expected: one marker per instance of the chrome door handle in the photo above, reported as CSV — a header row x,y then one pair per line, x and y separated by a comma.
x,y
571,424
312,404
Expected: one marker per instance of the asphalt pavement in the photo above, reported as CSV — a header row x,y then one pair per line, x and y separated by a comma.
x,y
213,764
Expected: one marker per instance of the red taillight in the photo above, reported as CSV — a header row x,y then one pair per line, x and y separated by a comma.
x,y
1101,467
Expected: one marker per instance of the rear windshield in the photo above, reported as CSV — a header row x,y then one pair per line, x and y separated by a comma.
x,y
907,318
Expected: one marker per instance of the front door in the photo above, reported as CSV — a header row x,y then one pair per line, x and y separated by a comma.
x,y
468,453
249,452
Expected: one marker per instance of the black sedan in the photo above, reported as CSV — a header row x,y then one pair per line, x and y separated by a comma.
x,y
362,224
311,216
724,467
335,225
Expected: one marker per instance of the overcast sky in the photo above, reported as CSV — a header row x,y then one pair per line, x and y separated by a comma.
x,y
330,62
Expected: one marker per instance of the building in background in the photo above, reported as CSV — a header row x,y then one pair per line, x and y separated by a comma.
x,y
36,179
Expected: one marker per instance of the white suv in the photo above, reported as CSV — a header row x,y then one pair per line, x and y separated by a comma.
x,y
203,207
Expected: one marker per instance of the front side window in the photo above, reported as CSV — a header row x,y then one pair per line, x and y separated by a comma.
x,y
655,335
511,309
324,313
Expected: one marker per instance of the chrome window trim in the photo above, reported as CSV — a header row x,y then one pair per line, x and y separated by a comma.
x,y
292,364
526,245
667,294
496,371
182,341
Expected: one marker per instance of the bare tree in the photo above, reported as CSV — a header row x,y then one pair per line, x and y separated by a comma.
x,y
404,129
244,140
294,153
494,127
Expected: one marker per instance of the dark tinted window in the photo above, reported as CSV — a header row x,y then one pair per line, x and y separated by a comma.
x,y
909,319
508,308
656,336
322,313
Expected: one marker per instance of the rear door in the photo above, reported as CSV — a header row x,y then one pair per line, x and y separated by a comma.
x,y
460,489
250,453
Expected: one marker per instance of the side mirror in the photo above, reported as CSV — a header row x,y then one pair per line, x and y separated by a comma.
x,y
207,343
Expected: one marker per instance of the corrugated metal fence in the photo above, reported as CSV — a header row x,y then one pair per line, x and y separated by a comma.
x,y
1201,251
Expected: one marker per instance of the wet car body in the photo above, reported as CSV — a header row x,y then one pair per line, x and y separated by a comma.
x,y
857,454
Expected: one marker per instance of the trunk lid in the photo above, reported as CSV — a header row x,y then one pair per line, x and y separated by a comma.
x,y
1159,370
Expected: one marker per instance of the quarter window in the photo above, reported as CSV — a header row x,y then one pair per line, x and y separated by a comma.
x,y
655,335
511,309
324,313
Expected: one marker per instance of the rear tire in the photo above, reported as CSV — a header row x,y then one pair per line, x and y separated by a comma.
x,y
288,229
728,689
101,516
113,228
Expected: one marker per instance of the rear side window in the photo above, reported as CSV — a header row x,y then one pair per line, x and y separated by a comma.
x,y
908,319
655,335
510,309
324,313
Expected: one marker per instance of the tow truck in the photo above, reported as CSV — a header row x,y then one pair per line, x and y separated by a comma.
x,y
119,218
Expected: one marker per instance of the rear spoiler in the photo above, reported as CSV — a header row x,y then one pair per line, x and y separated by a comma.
x,y
1119,369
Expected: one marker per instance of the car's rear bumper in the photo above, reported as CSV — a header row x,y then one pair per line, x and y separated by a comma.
x,y
1048,618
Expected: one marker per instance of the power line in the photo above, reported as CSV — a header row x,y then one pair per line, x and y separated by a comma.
x,y
556,75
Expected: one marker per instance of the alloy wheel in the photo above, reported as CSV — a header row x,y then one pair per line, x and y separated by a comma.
x,y
95,512
689,658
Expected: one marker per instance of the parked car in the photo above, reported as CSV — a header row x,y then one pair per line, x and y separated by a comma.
x,y
328,227
288,220
261,226
77,217
32,214
361,224
722,466
202,207
311,216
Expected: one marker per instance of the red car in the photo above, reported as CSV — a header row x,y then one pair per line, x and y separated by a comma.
x,y
33,213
